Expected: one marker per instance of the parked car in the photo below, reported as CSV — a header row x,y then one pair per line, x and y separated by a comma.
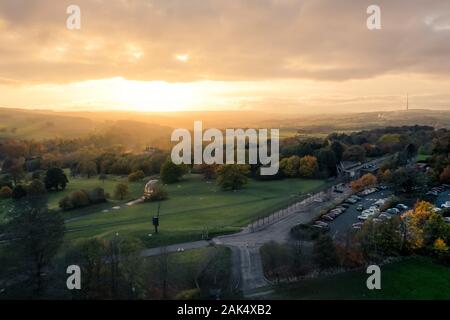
x,y
345,205
320,227
363,217
401,206
380,202
321,223
360,208
393,211
446,205
327,217
384,216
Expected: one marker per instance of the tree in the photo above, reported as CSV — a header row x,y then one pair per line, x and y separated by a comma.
x,y
5,192
308,167
354,153
232,176
408,179
290,166
102,177
440,247
36,235
55,178
327,162
111,269
324,252
424,226
338,150
87,168
365,181
170,172
17,172
121,191
444,177
18,192
36,188
369,180
136,176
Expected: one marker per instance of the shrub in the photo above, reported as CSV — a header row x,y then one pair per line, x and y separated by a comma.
x,y
5,192
136,176
96,195
82,198
170,172
36,188
121,191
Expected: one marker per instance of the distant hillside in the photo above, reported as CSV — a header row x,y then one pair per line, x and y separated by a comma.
x,y
137,129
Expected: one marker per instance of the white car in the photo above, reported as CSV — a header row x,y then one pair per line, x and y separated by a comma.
x,y
446,205
363,217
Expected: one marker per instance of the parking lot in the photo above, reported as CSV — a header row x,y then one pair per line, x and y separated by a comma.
x,y
442,198
342,224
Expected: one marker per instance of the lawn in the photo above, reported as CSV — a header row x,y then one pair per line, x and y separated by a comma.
x,y
422,157
414,278
194,206
78,183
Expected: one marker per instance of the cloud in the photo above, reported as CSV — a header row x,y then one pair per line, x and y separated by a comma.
x,y
226,40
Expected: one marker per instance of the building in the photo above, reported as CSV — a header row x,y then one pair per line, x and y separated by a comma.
x,y
351,170
150,188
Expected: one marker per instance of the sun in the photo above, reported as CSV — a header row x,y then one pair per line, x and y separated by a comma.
x,y
153,95
182,57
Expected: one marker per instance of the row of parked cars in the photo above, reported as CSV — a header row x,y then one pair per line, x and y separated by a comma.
x,y
377,216
436,190
334,213
330,216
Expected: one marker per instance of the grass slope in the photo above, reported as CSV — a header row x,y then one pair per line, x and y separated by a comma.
x,y
415,278
193,206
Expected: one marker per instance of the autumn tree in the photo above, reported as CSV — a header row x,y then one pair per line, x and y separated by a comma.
x,y
290,166
121,191
308,167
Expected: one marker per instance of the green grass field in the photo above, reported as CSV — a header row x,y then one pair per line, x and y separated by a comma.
x,y
415,278
193,206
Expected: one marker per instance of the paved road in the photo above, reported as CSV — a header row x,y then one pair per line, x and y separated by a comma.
x,y
174,248
249,243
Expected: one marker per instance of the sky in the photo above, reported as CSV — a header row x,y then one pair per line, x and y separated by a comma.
x,y
292,56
